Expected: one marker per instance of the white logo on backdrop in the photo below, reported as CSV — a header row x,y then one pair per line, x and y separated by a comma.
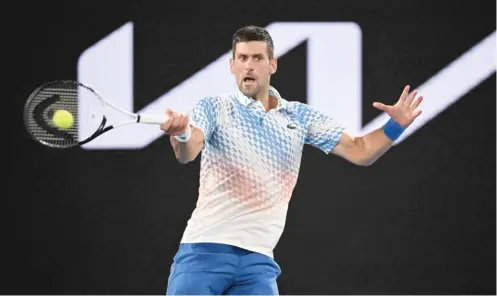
x,y
334,78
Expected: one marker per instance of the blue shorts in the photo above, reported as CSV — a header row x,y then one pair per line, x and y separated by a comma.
x,y
215,269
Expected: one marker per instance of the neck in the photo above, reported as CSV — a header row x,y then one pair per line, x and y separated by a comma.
x,y
266,101
262,97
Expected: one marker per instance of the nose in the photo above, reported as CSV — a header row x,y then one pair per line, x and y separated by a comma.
x,y
248,65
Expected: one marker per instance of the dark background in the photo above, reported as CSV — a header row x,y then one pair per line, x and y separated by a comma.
x,y
419,221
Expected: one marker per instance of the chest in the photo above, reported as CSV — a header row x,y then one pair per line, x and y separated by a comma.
x,y
274,138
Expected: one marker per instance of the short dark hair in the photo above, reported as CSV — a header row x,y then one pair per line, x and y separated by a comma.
x,y
253,33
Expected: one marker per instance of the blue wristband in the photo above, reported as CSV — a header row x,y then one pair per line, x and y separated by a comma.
x,y
393,130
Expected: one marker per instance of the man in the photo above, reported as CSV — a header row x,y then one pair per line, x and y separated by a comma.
x,y
252,142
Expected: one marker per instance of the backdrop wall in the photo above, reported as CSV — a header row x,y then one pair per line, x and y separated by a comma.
x,y
108,221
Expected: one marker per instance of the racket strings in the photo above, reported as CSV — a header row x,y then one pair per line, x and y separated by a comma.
x,y
83,105
91,113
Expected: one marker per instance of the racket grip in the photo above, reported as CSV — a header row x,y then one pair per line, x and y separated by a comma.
x,y
153,118
160,119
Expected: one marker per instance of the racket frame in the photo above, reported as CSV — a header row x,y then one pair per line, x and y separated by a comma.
x,y
103,128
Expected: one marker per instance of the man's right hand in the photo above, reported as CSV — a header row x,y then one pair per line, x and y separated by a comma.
x,y
177,123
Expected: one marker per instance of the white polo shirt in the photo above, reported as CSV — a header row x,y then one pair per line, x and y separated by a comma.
x,y
249,167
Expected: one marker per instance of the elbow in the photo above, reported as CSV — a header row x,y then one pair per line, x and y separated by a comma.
x,y
182,159
364,161
367,161
358,154
363,156
185,157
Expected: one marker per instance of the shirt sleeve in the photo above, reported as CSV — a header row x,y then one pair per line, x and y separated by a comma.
x,y
323,132
204,116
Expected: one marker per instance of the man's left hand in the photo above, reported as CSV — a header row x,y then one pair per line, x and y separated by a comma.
x,y
404,111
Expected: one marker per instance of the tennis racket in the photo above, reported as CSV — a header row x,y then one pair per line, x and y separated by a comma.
x,y
85,115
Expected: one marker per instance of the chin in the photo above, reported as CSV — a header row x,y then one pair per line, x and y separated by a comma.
x,y
251,93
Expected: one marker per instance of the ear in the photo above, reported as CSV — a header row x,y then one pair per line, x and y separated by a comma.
x,y
232,66
273,66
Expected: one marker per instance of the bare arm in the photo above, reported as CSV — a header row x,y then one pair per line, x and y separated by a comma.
x,y
200,128
363,150
188,151
178,124
367,149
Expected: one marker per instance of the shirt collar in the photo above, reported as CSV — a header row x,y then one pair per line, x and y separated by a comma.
x,y
248,102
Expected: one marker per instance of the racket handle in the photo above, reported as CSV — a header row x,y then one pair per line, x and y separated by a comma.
x,y
153,118
160,119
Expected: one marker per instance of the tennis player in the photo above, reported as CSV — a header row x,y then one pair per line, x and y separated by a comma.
x,y
251,143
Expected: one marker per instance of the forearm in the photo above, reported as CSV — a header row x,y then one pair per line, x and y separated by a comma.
x,y
367,149
372,146
188,151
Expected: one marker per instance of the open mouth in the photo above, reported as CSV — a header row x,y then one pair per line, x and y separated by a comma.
x,y
248,79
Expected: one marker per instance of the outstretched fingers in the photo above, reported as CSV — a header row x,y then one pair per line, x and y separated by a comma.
x,y
404,94
416,103
411,97
381,106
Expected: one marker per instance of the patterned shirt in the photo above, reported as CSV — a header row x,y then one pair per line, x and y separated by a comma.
x,y
249,167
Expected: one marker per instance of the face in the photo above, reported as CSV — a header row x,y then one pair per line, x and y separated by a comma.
x,y
252,67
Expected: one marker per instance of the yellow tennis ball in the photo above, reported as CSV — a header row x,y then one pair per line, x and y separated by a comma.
x,y
63,119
